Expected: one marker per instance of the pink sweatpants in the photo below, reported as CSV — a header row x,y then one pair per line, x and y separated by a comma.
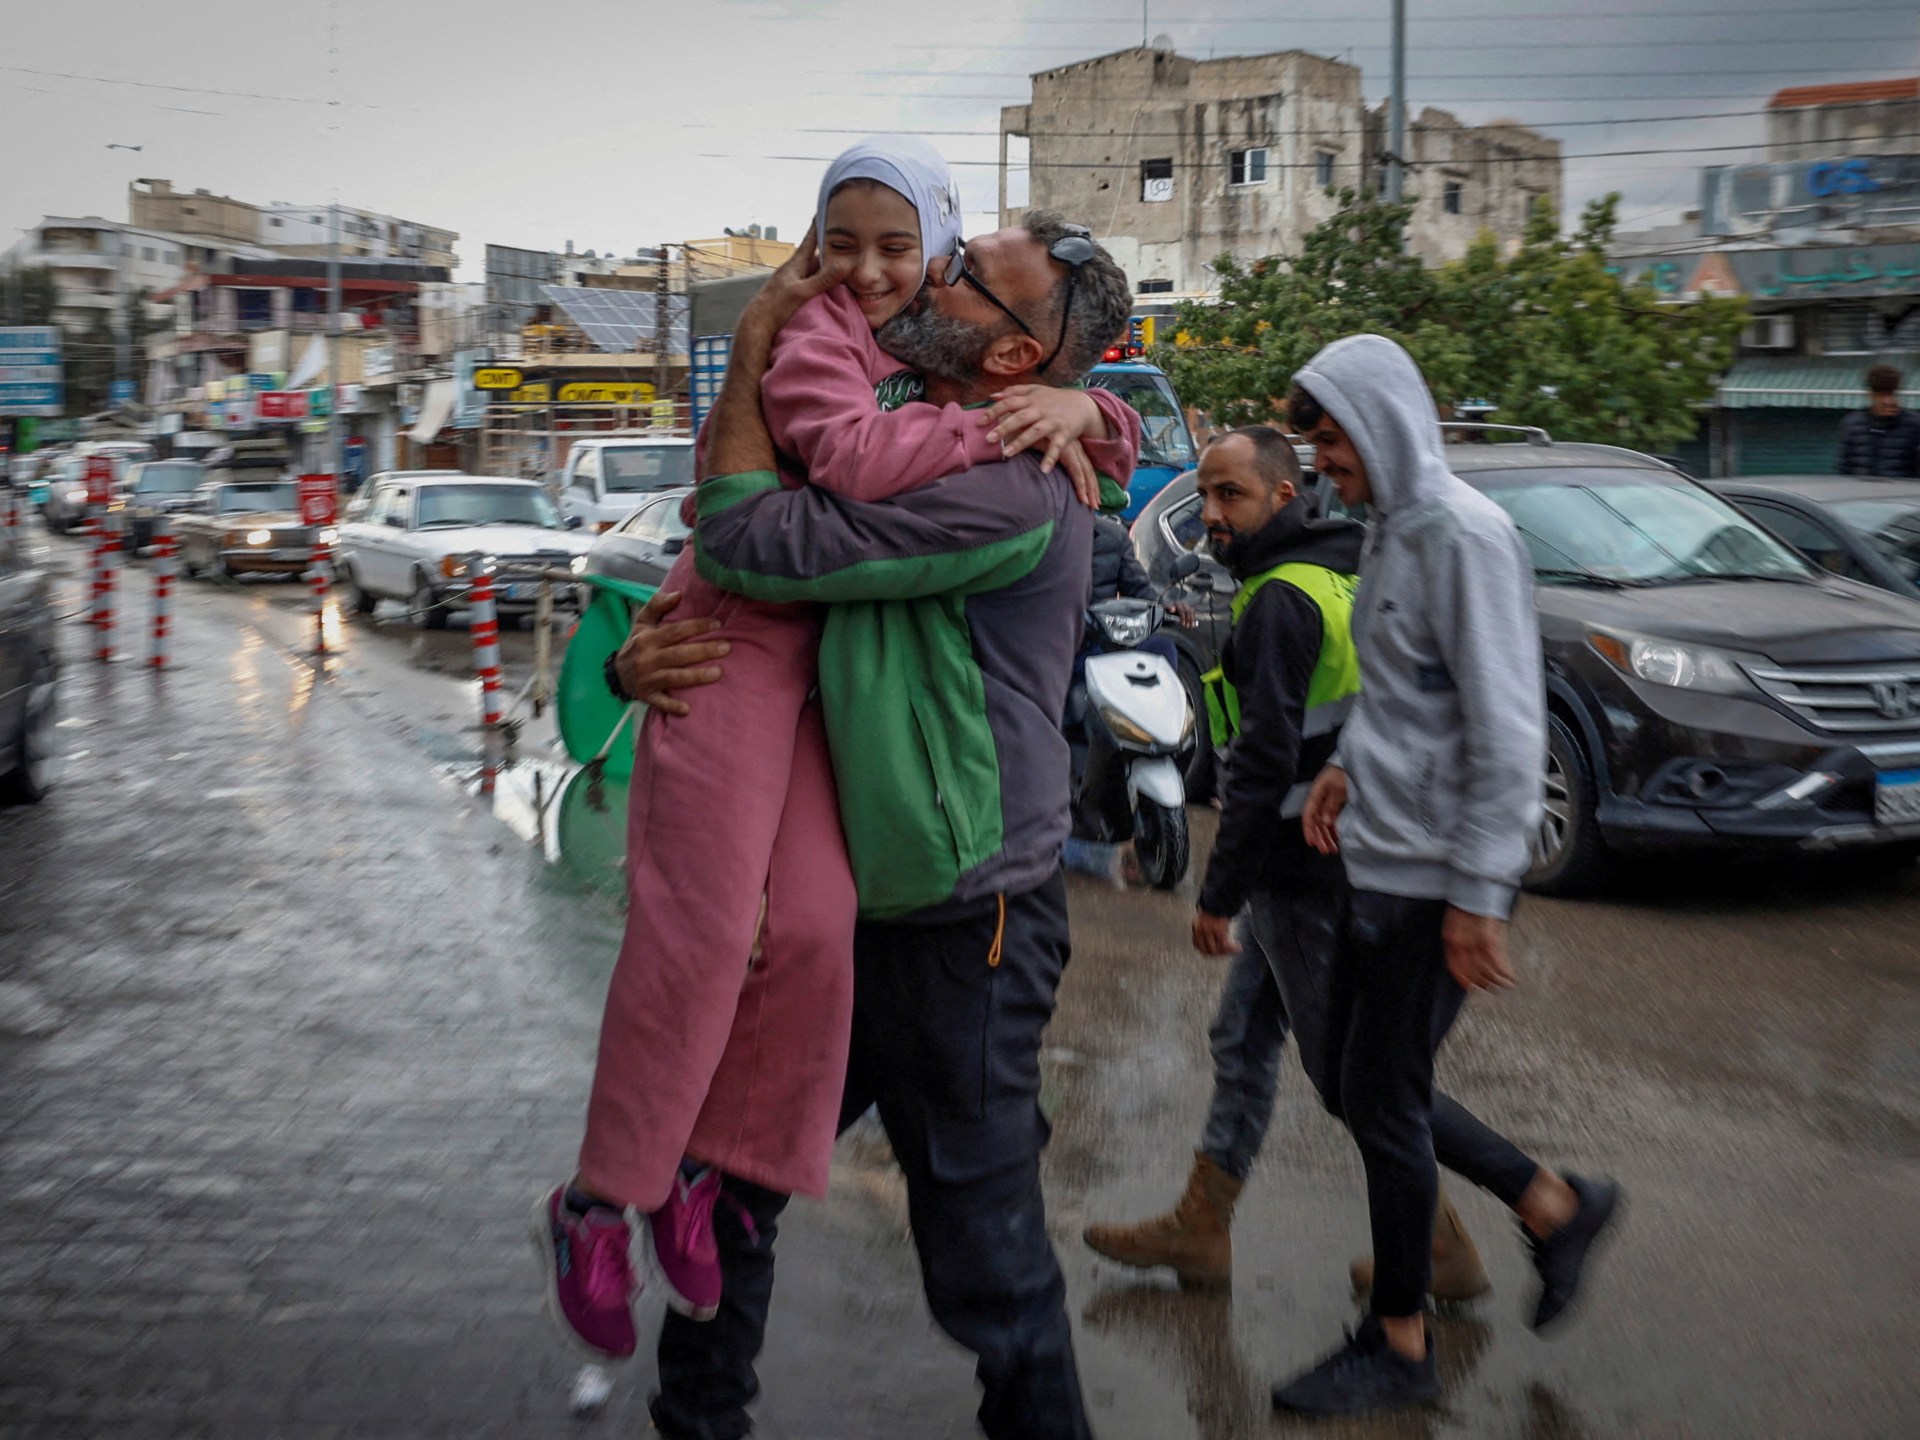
x,y
713,1046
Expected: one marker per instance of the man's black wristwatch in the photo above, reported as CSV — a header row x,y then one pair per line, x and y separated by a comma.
x,y
611,670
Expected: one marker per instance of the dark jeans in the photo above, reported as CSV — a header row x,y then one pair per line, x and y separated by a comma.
x,y
946,1041
1293,974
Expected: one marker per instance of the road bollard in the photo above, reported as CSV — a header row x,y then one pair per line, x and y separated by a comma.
x,y
319,577
107,564
165,566
483,624
11,497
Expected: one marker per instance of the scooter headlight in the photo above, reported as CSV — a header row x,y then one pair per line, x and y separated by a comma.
x,y
1123,728
1126,630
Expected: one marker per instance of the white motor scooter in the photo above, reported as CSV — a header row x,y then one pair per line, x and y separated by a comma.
x,y
1128,721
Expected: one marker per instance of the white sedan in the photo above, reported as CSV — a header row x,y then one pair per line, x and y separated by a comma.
x,y
421,539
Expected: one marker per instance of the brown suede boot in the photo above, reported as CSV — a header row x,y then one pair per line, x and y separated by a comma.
x,y
1457,1272
1195,1239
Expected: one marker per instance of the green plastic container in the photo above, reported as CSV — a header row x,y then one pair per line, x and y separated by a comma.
x,y
588,712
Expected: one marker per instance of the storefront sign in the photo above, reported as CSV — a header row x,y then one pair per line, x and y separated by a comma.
x,y
1809,272
606,392
1845,192
282,404
497,378
539,392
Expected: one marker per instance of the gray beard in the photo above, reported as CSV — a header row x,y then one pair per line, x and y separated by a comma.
x,y
934,344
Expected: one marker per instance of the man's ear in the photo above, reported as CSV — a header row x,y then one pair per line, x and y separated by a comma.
x,y
1288,490
1011,356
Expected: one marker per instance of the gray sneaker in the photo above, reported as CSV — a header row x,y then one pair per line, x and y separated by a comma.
x,y
1364,1374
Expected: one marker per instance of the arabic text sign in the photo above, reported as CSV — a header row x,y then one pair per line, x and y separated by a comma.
x,y
30,373
282,404
606,392
100,480
1807,272
318,499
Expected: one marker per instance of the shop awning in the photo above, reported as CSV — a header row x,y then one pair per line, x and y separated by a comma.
x,y
1811,382
436,408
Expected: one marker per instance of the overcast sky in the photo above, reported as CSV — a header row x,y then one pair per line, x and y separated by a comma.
x,y
619,123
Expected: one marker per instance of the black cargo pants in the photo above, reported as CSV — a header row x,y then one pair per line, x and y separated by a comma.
x,y
946,1041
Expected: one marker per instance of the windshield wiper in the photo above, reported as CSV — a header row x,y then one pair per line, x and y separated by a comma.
x,y
446,524
1588,577
1698,577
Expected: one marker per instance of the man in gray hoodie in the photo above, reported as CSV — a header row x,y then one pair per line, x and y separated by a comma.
x,y
1431,800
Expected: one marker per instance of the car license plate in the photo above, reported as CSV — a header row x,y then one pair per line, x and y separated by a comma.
x,y
1896,797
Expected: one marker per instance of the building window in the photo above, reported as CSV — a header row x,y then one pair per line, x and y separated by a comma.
x,y
1323,169
146,252
276,222
1450,198
1156,180
1155,287
173,257
1247,167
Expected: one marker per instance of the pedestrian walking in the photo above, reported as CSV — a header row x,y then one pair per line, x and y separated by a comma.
x,y
1884,438
1431,803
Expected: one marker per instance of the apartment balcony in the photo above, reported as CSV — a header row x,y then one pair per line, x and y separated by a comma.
x,y
86,300
73,259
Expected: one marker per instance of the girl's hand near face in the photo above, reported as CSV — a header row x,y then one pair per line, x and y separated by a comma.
x,y
799,278
1052,421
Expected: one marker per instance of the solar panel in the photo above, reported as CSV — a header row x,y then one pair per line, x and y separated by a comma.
x,y
620,321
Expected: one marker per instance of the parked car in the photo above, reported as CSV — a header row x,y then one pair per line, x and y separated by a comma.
x,y
1166,445
156,488
29,672
1707,688
246,527
1867,530
643,547
419,540
608,477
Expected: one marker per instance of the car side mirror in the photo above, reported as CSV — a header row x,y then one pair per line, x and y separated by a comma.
x,y
1184,566
674,546
574,522
396,522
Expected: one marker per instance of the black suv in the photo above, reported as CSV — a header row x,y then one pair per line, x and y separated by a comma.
x,y
1706,686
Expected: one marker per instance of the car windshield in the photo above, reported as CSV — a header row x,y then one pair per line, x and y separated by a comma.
x,y
171,477
633,469
1163,429
1634,527
1892,525
447,505
236,499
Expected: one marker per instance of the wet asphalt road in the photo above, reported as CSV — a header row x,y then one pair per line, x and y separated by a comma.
x,y
320,1211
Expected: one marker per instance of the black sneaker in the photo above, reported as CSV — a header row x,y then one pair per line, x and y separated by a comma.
x,y
1364,1374
1561,1257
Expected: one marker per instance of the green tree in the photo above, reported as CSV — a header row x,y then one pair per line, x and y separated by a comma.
x,y
1548,336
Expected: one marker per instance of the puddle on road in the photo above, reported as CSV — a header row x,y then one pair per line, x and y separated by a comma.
x,y
574,816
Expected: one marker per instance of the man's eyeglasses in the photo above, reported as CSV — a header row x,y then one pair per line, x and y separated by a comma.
x,y
1073,249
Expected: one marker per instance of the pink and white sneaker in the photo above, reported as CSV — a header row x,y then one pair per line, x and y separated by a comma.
x,y
590,1280
681,1251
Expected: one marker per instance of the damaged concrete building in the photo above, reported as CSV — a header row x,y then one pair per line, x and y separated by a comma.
x,y
1174,161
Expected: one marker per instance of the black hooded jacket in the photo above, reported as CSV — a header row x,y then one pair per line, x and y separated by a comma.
x,y
1269,660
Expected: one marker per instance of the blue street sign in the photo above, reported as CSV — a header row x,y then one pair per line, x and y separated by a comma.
x,y
30,337
32,398
120,392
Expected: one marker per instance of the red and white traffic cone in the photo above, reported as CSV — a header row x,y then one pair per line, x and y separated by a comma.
x,y
165,566
319,576
108,564
483,624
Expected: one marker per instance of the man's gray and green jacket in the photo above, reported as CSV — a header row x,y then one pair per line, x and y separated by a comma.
x,y
944,663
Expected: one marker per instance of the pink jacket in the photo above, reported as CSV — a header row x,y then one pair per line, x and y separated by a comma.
x,y
818,399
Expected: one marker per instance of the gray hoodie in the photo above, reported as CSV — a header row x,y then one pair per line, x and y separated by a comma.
x,y
1444,750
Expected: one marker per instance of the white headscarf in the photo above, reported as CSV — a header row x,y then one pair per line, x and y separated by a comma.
x,y
916,171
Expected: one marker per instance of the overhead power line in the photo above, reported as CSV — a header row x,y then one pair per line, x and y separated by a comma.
x,y
1420,79
1477,47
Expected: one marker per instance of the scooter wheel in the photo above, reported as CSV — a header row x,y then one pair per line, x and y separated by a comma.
x,y
1161,843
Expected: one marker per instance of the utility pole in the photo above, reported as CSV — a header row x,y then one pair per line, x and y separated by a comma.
x,y
662,331
333,459
1397,107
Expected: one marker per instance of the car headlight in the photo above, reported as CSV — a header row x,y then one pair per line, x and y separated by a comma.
x,y
1669,662
1127,630
329,535
453,567
578,564
260,537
